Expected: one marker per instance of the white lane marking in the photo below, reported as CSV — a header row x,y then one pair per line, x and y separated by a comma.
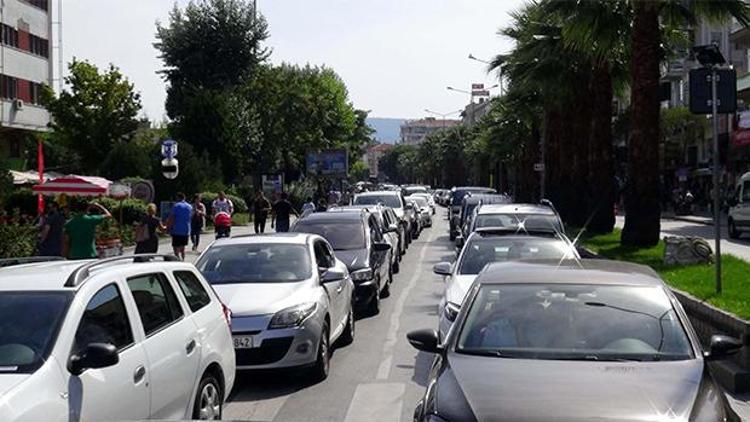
x,y
376,402
384,369
262,410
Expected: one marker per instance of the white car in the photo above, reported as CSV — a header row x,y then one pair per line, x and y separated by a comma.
x,y
738,220
493,245
112,340
291,299
423,210
429,198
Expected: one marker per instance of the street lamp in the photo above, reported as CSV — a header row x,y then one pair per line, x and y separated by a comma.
x,y
443,115
500,69
472,57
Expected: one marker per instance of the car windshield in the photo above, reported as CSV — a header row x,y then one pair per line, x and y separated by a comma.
x,y
29,322
458,195
387,200
482,251
573,322
416,189
256,263
341,235
530,221
421,202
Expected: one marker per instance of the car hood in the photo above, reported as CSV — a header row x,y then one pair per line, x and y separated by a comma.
x,y
457,288
246,299
499,389
354,259
9,381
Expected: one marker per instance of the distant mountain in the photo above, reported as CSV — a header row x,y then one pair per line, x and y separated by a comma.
x,y
387,130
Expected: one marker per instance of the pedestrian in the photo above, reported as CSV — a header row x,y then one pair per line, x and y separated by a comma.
x,y
51,236
197,221
322,205
222,203
80,231
178,225
147,240
308,206
282,211
261,208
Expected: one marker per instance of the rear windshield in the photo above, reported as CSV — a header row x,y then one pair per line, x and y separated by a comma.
x,y
458,195
480,252
29,322
256,263
341,235
529,221
388,200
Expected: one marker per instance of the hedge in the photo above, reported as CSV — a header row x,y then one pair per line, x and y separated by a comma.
x,y
17,240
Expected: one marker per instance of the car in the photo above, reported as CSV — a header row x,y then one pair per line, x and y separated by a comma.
x,y
392,199
593,340
291,299
423,208
429,198
494,245
392,231
530,216
124,338
412,189
472,203
738,217
357,241
414,214
455,203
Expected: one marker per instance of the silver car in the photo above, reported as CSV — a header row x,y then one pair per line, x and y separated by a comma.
x,y
290,297
423,210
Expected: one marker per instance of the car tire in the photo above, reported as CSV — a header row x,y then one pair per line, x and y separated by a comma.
x,y
347,337
733,232
387,288
208,399
322,365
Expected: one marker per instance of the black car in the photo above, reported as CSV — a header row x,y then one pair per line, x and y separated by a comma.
x,y
357,241
595,341
456,201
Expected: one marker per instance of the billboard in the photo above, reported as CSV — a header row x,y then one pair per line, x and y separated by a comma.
x,y
272,183
330,163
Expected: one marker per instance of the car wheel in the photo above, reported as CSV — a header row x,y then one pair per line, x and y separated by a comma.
x,y
322,364
208,400
347,337
733,232
452,236
387,288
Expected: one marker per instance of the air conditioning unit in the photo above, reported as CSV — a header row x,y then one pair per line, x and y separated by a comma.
x,y
18,104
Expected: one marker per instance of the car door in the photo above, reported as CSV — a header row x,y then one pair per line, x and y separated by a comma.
x,y
378,259
170,343
334,289
120,391
345,288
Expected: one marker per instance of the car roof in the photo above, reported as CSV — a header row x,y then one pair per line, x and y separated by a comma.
x,y
515,209
290,237
475,188
334,216
586,271
379,193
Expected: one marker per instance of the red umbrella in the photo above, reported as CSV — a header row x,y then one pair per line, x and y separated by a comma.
x,y
74,185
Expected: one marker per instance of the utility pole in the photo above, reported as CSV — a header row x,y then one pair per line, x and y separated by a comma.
x,y
716,175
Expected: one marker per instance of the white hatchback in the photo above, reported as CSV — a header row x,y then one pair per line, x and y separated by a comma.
x,y
112,340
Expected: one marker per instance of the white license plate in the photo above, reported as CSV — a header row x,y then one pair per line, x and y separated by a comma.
x,y
243,342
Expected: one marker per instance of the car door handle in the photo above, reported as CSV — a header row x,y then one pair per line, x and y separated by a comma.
x,y
139,373
190,346
340,288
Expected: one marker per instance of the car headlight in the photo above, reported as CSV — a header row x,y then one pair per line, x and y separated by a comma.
x,y
362,275
451,311
292,316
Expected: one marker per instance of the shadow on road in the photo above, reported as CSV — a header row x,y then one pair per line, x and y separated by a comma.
x,y
263,385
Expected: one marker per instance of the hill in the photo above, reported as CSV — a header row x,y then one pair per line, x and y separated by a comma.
x,y
387,130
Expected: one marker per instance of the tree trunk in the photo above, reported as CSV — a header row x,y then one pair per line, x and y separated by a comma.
x,y
527,187
642,192
601,177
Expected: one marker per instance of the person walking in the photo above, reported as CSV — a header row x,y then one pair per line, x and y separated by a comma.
x,y
282,211
147,240
178,225
261,207
222,203
51,236
80,231
197,221
308,206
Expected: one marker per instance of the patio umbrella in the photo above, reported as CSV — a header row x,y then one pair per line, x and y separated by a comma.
x,y
74,185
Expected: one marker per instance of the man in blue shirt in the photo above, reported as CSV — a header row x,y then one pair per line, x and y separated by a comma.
x,y
178,225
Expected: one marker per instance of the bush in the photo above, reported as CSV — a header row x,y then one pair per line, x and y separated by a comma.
x,y
21,200
240,206
17,240
132,209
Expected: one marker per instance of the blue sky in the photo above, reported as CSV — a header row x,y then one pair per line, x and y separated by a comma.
x,y
396,56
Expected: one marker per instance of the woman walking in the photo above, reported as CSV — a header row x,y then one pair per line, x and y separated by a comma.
x,y
197,221
147,241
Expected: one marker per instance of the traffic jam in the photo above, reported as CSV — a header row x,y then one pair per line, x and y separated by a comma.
x,y
528,328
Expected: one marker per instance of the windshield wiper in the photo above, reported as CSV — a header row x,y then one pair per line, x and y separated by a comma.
x,y
595,358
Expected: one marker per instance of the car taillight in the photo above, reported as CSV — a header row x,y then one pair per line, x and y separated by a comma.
x,y
227,314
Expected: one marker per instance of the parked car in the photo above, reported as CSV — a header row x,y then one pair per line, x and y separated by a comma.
x,y
392,199
412,189
527,216
414,214
291,299
112,339
430,200
388,223
357,241
456,202
423,209
597,340
486,246
738,218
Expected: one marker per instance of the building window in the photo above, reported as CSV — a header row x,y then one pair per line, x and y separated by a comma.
x,y
38,46
35,93
9,36
8,87
42,4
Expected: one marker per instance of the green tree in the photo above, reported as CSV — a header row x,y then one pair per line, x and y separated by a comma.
x,y
96,111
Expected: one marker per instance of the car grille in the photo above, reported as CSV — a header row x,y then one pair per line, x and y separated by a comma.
x,y
270,351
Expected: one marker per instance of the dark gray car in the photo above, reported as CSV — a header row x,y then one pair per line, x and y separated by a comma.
x,y
599,340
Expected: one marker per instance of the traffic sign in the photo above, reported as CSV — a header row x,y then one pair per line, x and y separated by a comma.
x,y
700,91
476,87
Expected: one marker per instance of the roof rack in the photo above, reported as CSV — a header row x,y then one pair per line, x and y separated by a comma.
x,y
82,273
9,262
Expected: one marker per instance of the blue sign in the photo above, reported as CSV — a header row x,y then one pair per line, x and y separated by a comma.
x,y
169,148
332,163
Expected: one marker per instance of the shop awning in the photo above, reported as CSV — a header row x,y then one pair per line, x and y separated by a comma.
x,y
30,177
74,185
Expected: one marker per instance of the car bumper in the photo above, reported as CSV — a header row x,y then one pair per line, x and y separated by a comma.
x,y
364,292
277,348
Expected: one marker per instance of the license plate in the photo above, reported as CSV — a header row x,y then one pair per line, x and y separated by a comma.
x,y
243,342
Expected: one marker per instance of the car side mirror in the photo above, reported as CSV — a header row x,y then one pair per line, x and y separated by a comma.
x,y
425,340
392,228
381,247
722,347
330,275
93,356
442,268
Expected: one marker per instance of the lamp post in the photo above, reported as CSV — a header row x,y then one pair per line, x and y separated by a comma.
x,y
442,115
500,76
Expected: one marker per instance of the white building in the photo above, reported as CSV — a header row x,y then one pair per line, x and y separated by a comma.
x,y
25,65
413,132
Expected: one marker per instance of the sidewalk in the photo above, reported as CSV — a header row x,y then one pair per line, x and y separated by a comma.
x,y
699,217
165,243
